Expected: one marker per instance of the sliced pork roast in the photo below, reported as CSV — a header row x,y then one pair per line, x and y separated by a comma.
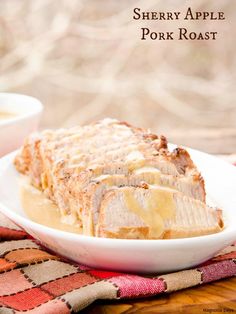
x,y
154,212
78,168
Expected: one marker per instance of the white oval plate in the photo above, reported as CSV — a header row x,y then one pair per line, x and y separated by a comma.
x,y
143,256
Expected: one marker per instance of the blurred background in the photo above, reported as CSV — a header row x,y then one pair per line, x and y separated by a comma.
x,y
84,60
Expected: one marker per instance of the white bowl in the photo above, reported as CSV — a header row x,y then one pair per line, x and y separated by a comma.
x,y
144,256
27,112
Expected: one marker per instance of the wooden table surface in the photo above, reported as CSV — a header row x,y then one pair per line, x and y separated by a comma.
x,y
216,297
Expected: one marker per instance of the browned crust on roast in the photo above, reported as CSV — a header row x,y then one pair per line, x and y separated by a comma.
x,y
220,219
197,177
28,161
23,159
181,158
158,141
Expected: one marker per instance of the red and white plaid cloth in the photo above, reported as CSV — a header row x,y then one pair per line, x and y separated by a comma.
x,y
35,281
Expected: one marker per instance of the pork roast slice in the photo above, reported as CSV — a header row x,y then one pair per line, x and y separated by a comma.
x,y
154,212
94,192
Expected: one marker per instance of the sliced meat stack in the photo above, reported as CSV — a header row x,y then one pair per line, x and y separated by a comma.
x,y
119,181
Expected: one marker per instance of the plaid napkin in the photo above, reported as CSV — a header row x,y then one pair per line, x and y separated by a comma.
x,y
35,281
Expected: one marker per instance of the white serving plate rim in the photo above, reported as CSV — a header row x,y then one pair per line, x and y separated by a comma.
x,y
35,110
200,240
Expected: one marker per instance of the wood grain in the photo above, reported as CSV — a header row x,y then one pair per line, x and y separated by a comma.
x,y
217,297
